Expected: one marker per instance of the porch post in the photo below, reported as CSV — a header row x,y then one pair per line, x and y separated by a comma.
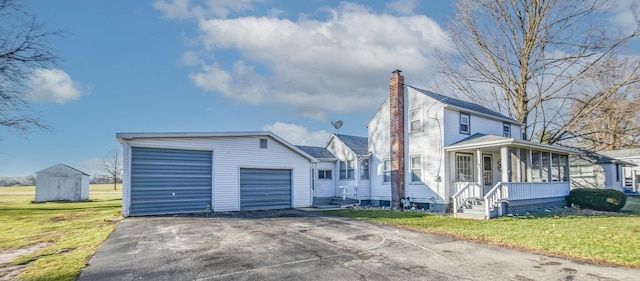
x,y
519,164
549,167
504,159
529,163
479,167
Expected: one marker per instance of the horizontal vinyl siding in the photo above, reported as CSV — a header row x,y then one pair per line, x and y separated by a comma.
x,y
379,145
232,153
326,187
479,124
427,143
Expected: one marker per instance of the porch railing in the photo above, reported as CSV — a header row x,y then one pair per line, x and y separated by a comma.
x,y
465,191
535,190
503,192
494,198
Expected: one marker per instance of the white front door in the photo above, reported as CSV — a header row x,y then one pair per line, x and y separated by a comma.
x,y
487,173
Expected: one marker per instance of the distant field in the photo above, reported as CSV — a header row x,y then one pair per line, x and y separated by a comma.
x,y
69,232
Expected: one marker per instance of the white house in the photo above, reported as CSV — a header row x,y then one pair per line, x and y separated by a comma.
x,y
61,183
597,170
445,152
166,173
630,173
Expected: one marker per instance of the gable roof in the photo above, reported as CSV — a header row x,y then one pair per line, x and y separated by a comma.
x,y
123,137
66,166
622,153
590,158
359,145
317,152
464,105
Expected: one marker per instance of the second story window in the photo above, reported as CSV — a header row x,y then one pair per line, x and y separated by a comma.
x,y
416,122
465,123
506,130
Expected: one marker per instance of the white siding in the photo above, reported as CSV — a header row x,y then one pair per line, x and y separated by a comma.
x,y
379,145
426,142
478,124
325,187
343,153
229,155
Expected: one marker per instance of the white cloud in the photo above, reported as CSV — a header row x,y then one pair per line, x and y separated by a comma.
x,y
297,134
53,86
624,14
186,9
340,64
403,7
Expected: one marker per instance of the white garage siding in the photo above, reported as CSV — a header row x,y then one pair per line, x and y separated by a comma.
x,y
230,154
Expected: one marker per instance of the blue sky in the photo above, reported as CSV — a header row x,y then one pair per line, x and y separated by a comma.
x,y
226,65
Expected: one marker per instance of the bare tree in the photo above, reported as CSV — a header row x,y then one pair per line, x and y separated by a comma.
x,y
531,59
609,119
112,166
24,47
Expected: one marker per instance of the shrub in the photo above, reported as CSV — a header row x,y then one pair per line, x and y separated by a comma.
x,y
597,199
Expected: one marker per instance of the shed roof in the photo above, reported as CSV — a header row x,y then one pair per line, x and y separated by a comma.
x,y
359,145
317,152
464,105
123,137
479,140
622,153
65,166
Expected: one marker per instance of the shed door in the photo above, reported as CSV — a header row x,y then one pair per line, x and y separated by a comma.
x,y
262,189
169,181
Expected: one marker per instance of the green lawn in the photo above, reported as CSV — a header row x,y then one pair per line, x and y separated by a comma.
x,y
72,231
603,239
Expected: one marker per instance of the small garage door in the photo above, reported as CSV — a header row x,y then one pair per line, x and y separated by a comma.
x,y
169,181
263,189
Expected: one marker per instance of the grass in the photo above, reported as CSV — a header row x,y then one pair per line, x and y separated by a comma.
x,y
71,231
611,240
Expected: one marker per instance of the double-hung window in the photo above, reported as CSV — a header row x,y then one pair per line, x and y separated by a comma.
x,y
346,170
416,120
416,168
364,169
464,167
506,130
465,123
386,170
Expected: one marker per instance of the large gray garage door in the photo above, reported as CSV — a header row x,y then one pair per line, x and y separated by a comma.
x,y
169,181
262,189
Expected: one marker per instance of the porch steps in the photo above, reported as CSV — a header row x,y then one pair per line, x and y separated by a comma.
x,y
332,202
473,209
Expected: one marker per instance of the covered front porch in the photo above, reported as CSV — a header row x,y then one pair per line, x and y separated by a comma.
x,y
494,176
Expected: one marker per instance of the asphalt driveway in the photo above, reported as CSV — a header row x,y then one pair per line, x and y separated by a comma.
x,y
298,245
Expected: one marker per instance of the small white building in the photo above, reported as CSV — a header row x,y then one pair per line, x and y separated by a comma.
x,y
596,170
630,173
61,183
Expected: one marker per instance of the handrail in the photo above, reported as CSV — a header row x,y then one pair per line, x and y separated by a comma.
x,y
463,194
345,193
494,197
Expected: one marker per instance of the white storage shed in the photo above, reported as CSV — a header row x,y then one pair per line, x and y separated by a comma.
x,y
61,183
169,173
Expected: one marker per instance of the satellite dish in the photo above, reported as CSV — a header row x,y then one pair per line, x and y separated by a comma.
x,y
337,124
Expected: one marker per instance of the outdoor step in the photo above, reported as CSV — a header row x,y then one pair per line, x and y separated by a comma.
x,y
471,216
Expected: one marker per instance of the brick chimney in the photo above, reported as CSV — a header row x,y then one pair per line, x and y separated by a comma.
x,y
396,104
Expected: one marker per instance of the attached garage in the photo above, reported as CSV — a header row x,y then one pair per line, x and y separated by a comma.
x,y
172,173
